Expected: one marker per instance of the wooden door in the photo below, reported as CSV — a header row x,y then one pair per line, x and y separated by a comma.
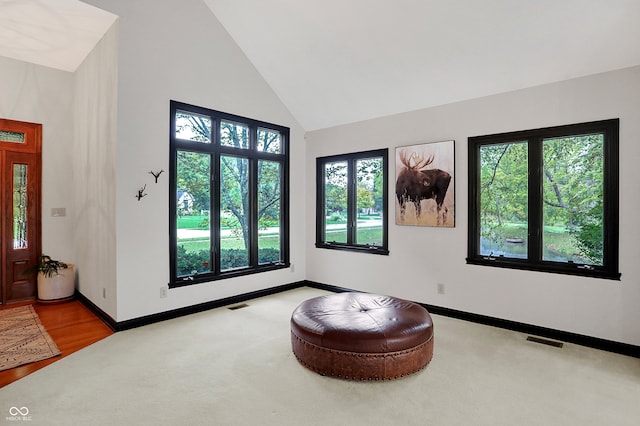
x,y
20,208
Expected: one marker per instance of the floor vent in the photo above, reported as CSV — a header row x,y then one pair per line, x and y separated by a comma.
x,y
240,306
545,341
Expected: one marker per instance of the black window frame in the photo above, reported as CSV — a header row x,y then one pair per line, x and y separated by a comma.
x,y
351,159
534,138
216,150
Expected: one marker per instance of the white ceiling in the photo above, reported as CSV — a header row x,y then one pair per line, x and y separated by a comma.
x,y
339,61
54,33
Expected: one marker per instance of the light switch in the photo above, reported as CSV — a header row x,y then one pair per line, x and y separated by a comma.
x,y
58,211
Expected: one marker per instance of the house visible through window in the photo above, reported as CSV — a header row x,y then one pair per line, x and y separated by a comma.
x,y
546,199
352,202
228,195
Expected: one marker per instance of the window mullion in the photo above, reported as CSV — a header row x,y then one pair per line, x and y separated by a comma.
x,y
611,196
214,211
321,201
535,199
253,196
253,212
214,196
173,204
352,202
284,201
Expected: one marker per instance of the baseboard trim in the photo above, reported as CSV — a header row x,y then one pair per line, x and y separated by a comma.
x,y
188,310
106,318
549,333
578,339
327,287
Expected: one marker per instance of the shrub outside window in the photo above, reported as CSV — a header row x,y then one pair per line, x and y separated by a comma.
x,y
352,202
228,195
546,199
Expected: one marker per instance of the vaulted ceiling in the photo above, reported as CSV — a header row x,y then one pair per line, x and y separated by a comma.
x,y
339,61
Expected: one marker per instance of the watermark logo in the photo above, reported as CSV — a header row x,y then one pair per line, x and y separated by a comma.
x,y
19,414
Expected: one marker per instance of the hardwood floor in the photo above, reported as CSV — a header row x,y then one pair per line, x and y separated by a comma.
x,y
71,325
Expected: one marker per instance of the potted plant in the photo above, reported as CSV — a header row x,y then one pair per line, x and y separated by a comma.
x,y
56,279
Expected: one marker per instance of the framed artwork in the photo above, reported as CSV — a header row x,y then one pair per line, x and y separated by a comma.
x,y
425,184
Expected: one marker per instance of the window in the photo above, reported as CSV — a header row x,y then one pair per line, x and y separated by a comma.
x,y
546,199
228,195
352,202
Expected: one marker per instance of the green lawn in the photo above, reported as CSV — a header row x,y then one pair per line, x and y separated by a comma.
x,y
191,222
330,220
197,244
365,235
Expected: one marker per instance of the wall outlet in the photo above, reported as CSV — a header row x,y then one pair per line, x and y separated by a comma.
x,y
163,292
292,268
104,293
440,288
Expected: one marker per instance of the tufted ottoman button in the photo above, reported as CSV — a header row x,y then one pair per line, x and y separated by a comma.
x,y
361,336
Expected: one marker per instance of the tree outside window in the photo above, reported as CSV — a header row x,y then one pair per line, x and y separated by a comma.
x,y
352,202
229,179
546,199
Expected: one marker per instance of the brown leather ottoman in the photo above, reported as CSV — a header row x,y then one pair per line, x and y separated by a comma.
x,y
360,336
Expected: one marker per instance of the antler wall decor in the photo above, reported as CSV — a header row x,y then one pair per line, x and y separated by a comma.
x,y
141,192
156,175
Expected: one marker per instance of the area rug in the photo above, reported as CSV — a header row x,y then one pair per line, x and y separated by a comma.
x,y
23,338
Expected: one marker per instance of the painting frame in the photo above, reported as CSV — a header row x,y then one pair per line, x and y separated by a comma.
x,y
425,184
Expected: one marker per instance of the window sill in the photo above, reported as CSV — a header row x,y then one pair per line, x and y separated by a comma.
x,y
554,268
208,277
359,249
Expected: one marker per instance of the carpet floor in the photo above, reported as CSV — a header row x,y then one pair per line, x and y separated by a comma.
x,y
23,338
236,367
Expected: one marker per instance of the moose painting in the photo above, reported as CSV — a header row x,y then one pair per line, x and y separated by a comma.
x,y
424,184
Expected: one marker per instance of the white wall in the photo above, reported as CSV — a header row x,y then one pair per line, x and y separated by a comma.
x,y
422,257
178,50
43,95
94,171
78,147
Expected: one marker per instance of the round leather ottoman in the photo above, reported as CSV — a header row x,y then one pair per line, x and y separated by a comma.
x,y
361,336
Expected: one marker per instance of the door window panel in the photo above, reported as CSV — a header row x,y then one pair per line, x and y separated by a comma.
x,y
20,203
13,137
